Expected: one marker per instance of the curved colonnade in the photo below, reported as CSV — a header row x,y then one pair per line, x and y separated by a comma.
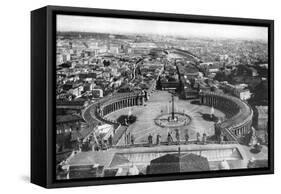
x,y
238,113
96,112
116,102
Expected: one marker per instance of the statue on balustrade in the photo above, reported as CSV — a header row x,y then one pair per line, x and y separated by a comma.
x,y
158,139
221,138
110,140
186,137
198,137
177,136
150,141
204,138
169,138
132,139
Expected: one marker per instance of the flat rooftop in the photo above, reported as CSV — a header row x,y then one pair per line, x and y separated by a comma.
x,y
141,156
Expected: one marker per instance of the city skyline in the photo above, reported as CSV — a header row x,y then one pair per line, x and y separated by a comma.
x,y
165,28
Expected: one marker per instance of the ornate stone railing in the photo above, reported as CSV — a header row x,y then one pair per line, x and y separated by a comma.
x,y
172,144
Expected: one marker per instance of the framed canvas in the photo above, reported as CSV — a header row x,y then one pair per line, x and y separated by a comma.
x,y
126,96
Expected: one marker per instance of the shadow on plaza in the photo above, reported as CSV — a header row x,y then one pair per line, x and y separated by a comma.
x,y
195,102
209,117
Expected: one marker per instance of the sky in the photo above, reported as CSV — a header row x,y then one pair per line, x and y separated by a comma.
x,y
183,29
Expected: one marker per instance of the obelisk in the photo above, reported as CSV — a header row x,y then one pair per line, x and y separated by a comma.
x,y
173,111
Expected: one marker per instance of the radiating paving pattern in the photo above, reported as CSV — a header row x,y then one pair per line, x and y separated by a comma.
x,y
159,104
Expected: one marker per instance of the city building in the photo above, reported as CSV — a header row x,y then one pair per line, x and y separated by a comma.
x,y
262,117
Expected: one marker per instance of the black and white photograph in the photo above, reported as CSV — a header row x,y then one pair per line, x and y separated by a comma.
x,y
137,97
140,97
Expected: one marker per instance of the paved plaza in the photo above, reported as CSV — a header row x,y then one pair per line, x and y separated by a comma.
x,y
158,104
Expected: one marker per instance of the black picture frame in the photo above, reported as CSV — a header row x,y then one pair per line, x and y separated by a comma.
x,y
43,76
